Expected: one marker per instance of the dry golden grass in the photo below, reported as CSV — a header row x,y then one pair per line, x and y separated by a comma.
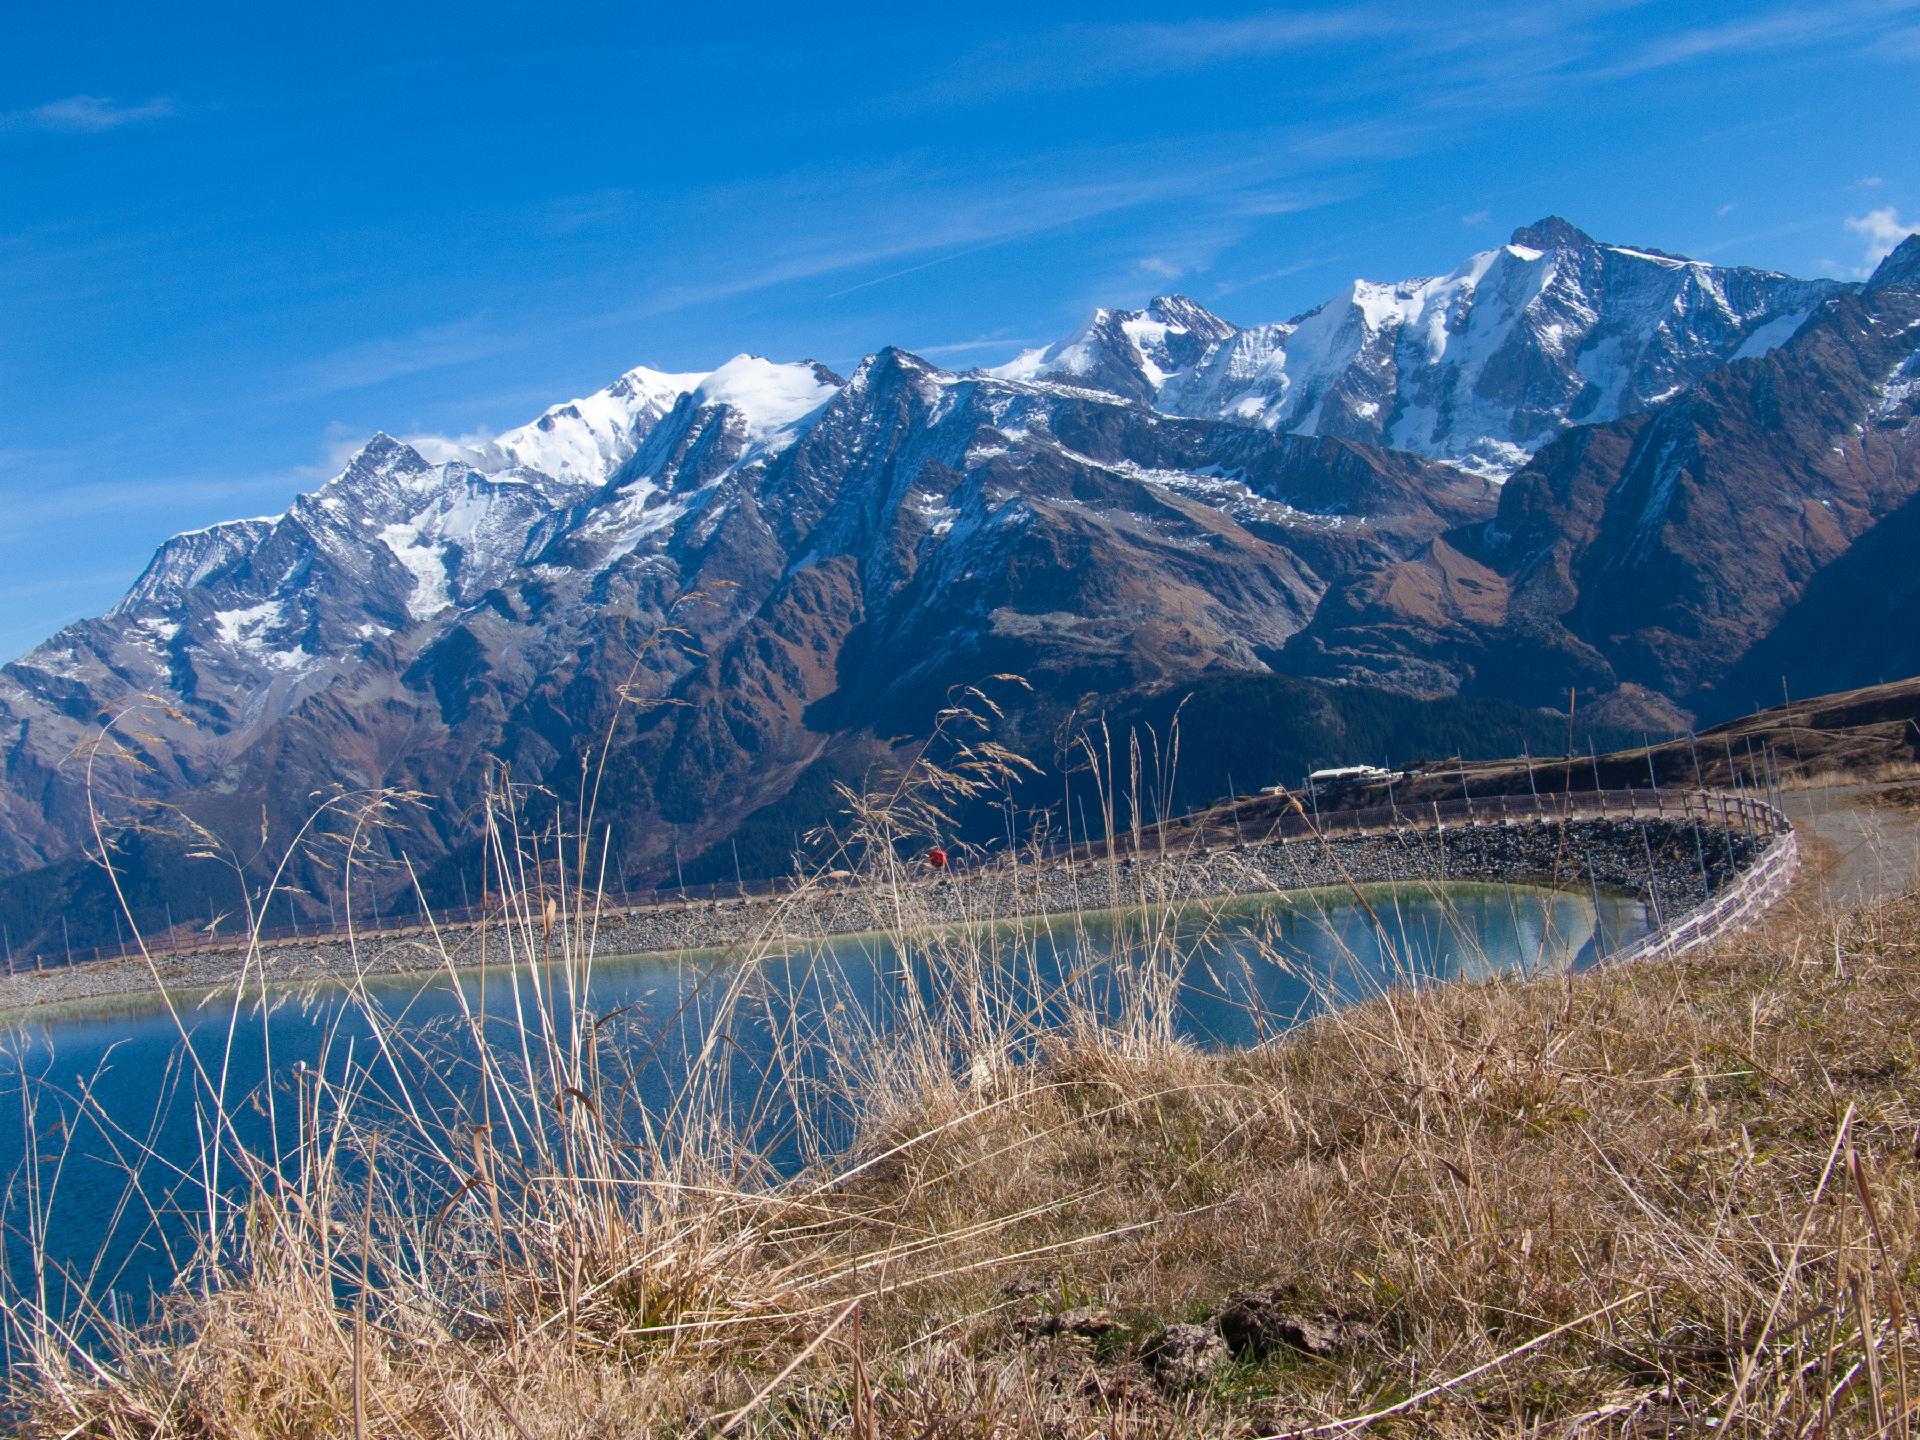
x,y
1670,1198
1706,1169
1793,778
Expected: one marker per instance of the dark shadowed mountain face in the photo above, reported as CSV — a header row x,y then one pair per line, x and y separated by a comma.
x,y
766,575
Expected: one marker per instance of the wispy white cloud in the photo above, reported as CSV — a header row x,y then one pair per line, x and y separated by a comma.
x,y
33,506
968,347
1484,56
1476,217
1259,202
1074,56
1899,44
1881,229
1488,55
440,449
85,115
339,445
342,442
1158,46
375,360
1725,210
571,213
1783,28
846,223
852,260
1721,244
1267,277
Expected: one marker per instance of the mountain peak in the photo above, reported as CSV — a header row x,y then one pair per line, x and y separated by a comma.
x,y
1184,313
1901,267
580,442
1552,233
890,358
383,452
768,395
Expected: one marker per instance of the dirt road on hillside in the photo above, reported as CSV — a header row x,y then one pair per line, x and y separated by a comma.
x,y
1864,846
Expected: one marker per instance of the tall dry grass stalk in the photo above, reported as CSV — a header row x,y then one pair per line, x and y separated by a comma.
x,y
980,1194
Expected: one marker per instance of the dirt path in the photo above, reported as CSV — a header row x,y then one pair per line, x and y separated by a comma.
x,y
1865,847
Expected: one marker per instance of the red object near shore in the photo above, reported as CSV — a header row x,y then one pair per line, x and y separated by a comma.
x,y
937,858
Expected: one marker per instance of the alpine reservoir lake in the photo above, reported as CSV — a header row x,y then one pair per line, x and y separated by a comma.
x,y
107,1115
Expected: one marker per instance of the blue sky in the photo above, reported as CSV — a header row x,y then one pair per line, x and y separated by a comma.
x,y
236,240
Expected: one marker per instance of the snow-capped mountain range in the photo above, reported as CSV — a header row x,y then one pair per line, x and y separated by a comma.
x,y
1480,367
1164,494
582,441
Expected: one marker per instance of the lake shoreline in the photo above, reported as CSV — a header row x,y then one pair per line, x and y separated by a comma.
x,y
135,1001
1660,861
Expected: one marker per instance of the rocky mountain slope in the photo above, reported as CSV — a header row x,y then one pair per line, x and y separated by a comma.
x,y
758,577
857,548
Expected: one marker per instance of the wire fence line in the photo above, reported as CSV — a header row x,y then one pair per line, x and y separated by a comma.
x,y
1740,811
1751,895
1744,812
